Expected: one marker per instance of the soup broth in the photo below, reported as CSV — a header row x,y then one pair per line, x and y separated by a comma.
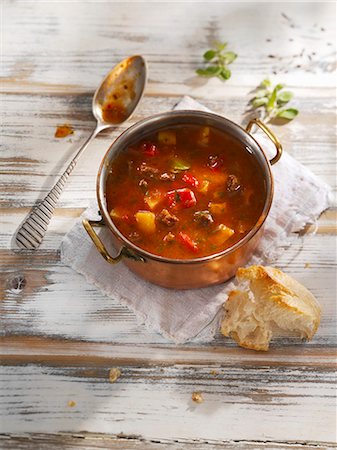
x,y
185,192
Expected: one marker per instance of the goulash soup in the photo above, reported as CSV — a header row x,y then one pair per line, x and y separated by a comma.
x,y
185,192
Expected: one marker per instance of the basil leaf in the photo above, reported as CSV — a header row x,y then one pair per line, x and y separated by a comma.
x,y
257,102
209,55
288,114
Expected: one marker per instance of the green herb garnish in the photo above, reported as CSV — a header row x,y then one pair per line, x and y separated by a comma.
x,y
271,100
217,60
179,166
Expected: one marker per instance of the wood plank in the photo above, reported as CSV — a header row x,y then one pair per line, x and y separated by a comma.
x,y
60,336
55,301
86,441
48,26
17,350
292,404
30,170
65,218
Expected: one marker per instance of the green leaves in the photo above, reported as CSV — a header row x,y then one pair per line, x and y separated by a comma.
x,y
265,83
257,102
271,100
217,60
178,165
224,74
284,97
210,71
209,55
288,114
229,57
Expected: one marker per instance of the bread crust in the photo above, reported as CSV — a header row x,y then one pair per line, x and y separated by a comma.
x,y
268,302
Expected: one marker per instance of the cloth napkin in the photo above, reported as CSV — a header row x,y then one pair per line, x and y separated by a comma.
x,y
183,315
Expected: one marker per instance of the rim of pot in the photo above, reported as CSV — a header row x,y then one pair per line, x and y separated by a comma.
x,y
182,117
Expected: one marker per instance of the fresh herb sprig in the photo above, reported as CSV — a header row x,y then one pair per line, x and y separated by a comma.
x,y
217,60
272,100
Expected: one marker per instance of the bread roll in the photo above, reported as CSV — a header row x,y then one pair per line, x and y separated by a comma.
x,y
268,303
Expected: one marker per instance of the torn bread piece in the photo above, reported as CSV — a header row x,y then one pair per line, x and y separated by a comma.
x,y
268,303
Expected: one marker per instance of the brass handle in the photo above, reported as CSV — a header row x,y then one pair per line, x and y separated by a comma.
x,y
271,136
124,252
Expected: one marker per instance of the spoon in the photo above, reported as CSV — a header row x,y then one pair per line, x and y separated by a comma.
x,y
113,103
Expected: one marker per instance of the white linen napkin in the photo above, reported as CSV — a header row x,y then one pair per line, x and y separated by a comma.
x,y
182,315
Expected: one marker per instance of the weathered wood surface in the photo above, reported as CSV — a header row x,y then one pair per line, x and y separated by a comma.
x,y
163,394
60,336
91,441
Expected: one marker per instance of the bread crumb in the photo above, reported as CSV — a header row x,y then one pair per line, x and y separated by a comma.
x,y
71,403
197,397
307,265
214,372
63,131
114,374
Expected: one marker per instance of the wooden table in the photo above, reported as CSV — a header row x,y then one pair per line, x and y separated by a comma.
x,y
60,335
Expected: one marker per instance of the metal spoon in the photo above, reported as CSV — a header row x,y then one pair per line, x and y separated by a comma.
x,y
113,103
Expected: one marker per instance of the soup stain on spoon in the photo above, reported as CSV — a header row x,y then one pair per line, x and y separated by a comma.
x,y
113,103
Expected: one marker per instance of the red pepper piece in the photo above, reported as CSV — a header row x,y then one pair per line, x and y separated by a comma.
x,y
149,149
188,242
181,198
215,162
190,179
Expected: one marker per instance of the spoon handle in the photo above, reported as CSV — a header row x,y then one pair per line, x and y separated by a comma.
x,y
34,227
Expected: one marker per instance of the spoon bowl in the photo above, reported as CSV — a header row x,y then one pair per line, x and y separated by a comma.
x,y
113,103
120,92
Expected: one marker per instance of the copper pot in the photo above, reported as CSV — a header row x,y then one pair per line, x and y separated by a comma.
x,y
183,273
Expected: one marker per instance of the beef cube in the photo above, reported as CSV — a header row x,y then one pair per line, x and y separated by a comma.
x,y
167,176
147,171
167,218
143,184
170,237
204,218
233,184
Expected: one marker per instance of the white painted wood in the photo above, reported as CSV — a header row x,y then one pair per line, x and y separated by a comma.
x,y
91,441
86,39
146,400
55,297
61,336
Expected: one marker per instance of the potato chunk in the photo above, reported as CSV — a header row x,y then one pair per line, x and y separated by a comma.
x,y
204,135
146,221
217,208
167,137
203,187
222,234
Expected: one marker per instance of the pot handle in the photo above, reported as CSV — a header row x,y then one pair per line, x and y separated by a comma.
x,y
271,136
124,252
